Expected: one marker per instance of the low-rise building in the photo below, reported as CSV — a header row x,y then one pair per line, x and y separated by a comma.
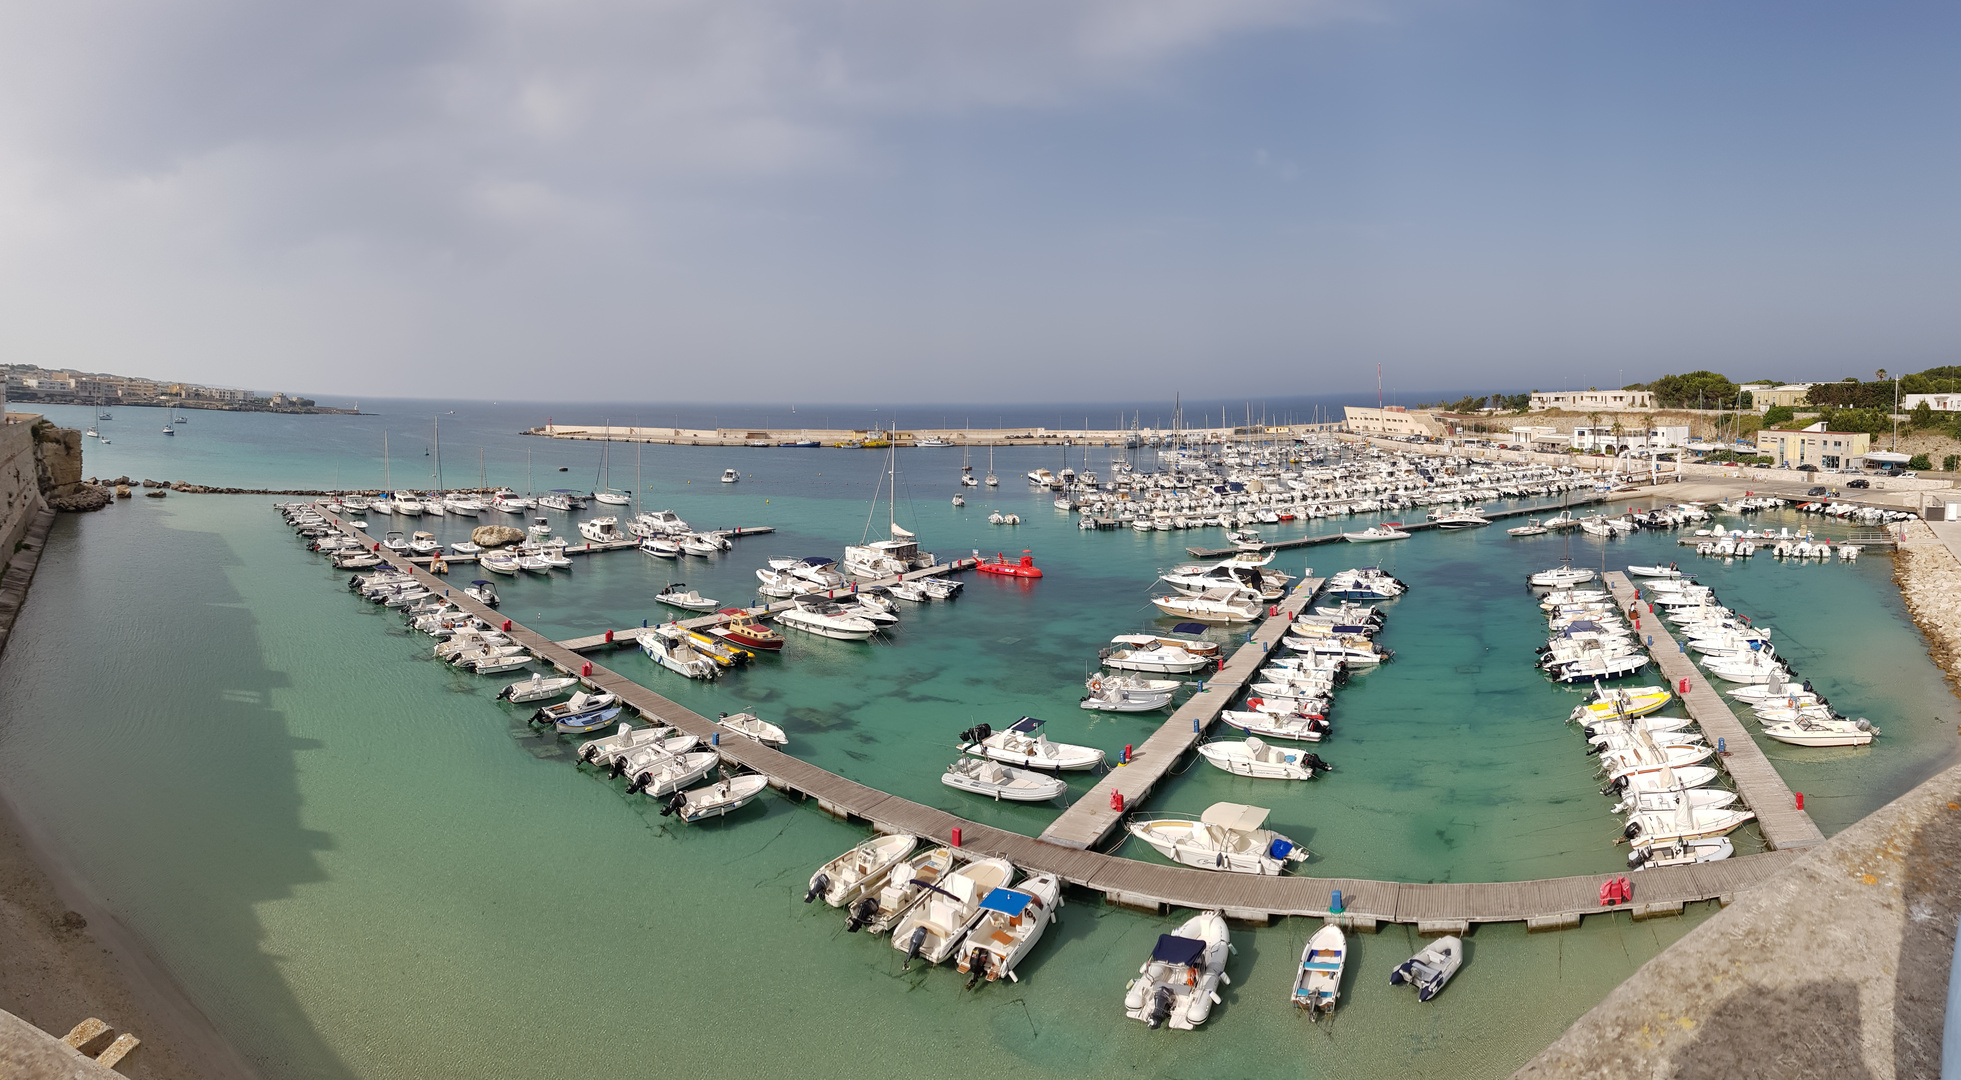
x,y
1936,402
1392,420
1814,446
1765,395
1594,400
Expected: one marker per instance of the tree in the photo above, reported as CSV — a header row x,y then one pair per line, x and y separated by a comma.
x,y
1704,387
1919,461
1518,403
1779,415
1922,417
1951,462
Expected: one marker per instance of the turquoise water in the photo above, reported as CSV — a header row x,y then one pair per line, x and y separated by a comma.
x,y
361,865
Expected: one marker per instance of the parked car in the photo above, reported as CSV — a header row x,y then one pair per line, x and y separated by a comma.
x,y
1858,483
1816,491
1807,467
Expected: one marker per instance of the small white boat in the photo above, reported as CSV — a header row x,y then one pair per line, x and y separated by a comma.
x,y
679,595
1376,534
863,868
1179,984
1531,528
1277,725
1318,985
730,476
1011,922
723,797
1808,732
936,924
603,530
672,773
1667,572
697,545
674,653
1562,577
1120,693
751,725
1229,837
615,747
998,781
1680,853
1023,743
1430,969
1254,758
905,885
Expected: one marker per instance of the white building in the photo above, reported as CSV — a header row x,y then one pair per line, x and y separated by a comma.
x,y
1606,440
1936,402
1595,400
1392,420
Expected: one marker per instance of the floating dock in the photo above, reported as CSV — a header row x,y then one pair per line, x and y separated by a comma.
x,y
1763,790
1412,527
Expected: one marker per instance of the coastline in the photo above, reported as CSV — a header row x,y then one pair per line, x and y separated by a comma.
x,y
1929,577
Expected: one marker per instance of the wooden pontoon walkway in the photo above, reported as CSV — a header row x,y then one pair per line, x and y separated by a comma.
x,y
1408,526
1757,780
1550,903
1090,819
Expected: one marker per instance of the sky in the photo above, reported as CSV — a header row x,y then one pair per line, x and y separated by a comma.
x,y
985,200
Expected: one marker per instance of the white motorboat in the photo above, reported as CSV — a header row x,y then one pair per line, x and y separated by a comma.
x,y
604,752
464,547
676,654
1318,985
1562,577
699,546
936,924
661,547
1222,606
723,797
672,773
1668,571
730,476
603,530
997,781
499,664
1169,661
1024,743
499,562
1680,853
1530,528
904,886
1684,822
754,727
1255,758
910,591
1179,984
1430,969
863,868
1227,836
1808,732
1376,534
1011,921
1468,518
1120,693
579,705
826,619
679,595
1276,725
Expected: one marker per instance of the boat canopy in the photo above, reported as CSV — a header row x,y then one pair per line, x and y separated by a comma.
x,y
479,581
1189,628
1027,725
1006,901
818,560
1237,817
1172,949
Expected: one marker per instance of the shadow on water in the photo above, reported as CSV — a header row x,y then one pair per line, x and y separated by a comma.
x,y
103,765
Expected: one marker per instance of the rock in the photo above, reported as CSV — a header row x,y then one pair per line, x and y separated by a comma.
x,y
84,498
491,536
122,491
157,494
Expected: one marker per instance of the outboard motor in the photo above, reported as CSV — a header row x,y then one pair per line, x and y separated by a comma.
x,y
862,912
639,782
1314,762
1619,784
674,804
1596,748
1160,1008
588,753
1862,724
913,946
619,765
1633,830
976,966
819,885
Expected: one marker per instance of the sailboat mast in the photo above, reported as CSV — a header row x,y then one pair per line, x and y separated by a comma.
x,y
436,450
387,477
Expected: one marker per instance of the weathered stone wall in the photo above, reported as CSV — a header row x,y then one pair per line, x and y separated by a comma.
x,y
20,488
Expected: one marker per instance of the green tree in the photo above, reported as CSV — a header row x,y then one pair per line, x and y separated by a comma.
x,y
1779,415
1518,403
1919,461
1951,462
1706,388
1922,416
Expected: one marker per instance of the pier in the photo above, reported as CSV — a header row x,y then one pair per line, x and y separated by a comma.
x,y
1410,527
1090,819
1757,780
590,547
1433,908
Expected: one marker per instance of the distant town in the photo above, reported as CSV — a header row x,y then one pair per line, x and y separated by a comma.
x,y
30,384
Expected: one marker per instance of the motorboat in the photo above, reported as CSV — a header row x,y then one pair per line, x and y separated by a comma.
x,y
936,924
1180,982
603,530
396,542
1120,693
1680,853
679,595
1375,534
1023,743
1011,921
818,570
730,476
677,655
826,619
1300,728
464,547
1530,528
1469,518
658,523
1041,478
1562,577
1431,968
1623,704
745,630
499,562
582,723
725,796
904,885
1684,822
672,773
1254,758
424,543
1808,732
754,727
1161,659
863,868
605,751
1600,665
1666,572
1221,606
1318,985
997,781
483,592
939,588
999,566
780,584
697,545
1230,837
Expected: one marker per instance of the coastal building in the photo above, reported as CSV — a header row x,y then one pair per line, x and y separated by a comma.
x,y
1936,402
1594,400
1609,440
1765,395
1814,446
1392,420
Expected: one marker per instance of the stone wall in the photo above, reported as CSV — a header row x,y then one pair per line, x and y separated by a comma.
x,y
20,487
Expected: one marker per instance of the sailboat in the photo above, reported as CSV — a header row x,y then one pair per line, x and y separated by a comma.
x,y
899,553
992,480
608,494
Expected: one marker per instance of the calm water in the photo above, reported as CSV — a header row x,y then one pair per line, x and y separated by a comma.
x,y
362,865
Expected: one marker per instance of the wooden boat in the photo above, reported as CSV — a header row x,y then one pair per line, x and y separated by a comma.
x,y
745,630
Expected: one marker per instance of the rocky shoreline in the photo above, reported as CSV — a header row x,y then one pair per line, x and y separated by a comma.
x,y
1929,577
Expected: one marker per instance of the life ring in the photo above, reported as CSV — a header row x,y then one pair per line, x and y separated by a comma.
x,y
1096,686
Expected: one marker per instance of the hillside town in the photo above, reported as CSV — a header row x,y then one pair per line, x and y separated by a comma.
x,y
29,384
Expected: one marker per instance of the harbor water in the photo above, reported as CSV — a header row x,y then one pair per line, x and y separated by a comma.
x,y
360,864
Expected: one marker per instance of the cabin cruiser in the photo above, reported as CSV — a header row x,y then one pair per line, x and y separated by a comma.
x,y
603,530
1159,658
1195,580
1364,583
1179,984
658,523
1227,836
1224,606
745,630
676,654
1024,743
825,619
730,476
1470,518
817,570
1376,534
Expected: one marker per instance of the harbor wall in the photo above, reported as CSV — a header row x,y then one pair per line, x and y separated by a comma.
x,y
20,481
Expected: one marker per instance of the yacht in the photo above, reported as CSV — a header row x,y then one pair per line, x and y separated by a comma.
x,y
825,619
1042,478
1224,606
603,530
899,553
1470,518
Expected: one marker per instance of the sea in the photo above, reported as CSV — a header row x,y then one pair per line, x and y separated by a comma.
x,y
359,863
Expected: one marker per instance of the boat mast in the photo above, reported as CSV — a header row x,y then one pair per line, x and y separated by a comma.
x,y
387,478
436,451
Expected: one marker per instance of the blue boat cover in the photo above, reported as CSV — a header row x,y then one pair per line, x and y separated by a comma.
x,y
818,560
1173,949
1005,901
1027,725
1581,626
480,581
1279,849
1189,628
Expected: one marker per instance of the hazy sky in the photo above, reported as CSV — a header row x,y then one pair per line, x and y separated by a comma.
x,y
1001,199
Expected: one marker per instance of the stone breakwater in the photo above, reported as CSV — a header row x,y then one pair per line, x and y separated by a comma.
x,y
1929,577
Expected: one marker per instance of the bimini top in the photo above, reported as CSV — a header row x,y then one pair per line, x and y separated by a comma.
x,y
1173,949
1581,626
818,560
1027,725
1006,901
1190,628
1235,816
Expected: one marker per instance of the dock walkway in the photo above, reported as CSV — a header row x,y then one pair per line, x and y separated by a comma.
x,y
1546,904
1757,780
1090,819
1409,526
